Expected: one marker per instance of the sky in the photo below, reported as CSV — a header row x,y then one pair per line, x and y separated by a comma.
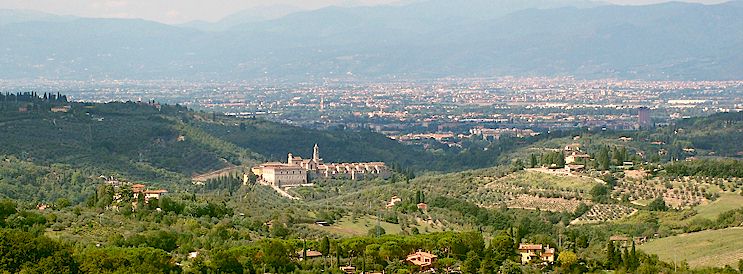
x,y
181,11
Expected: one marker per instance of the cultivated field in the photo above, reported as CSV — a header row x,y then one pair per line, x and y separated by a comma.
x,y
600,213
534,189
726,202
682,192
348,227
706,248
361,226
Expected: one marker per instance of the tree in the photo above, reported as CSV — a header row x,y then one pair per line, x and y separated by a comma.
x,y
279,230
502,248
447,263
77,178
560,161
372,251
603,159
517,165
471,265
277,256
658,205
487,264
225,262
633,260
567,259
610,255
533,161
376,231
599,193
7,208
390,250
510,267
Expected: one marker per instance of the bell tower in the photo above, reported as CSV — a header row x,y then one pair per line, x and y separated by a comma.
x,y
316,154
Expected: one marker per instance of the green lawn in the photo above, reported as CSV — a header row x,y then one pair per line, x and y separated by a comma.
x,y
706,248
726,202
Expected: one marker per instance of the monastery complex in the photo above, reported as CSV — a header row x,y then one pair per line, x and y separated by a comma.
x,y
297,171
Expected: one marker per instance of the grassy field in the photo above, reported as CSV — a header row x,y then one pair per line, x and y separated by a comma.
x,y
726,202
706,248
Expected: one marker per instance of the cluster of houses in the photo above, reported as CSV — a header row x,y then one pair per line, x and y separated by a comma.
x,y
136,191
534,252
423,260
426,261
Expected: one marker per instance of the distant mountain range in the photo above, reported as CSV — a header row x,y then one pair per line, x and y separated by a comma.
x,y
421,39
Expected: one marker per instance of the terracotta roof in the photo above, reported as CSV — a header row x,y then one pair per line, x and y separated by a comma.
x,y
530,247
310,253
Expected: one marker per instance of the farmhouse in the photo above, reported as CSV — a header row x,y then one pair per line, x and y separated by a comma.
x,y
310,254
530,252
576,156
148,194
393,201
421,259
154,194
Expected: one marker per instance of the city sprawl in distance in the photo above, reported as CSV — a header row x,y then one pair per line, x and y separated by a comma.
x,y
337,136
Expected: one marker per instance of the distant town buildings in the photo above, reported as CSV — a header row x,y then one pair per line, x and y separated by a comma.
x,y
643,117
496,133
297,171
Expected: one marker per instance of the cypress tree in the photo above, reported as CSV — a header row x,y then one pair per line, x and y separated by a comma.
x,y
610,255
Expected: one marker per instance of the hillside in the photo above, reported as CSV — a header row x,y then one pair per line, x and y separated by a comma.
x,y
135,140
149,141
52,195
699,249
275,140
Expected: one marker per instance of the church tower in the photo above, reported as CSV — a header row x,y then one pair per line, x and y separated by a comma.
x,y
316,155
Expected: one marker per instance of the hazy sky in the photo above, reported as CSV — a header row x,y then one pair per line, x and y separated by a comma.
x,y
179,11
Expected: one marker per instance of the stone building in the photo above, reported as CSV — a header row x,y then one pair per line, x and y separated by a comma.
x,y
281,175
297,171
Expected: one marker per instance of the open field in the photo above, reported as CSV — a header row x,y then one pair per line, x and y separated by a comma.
x,y
726,202
699,249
